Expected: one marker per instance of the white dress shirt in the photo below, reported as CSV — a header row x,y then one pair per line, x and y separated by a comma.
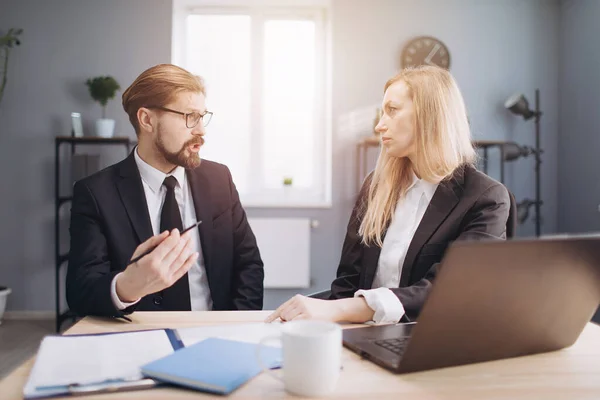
x,y
155,191
405,221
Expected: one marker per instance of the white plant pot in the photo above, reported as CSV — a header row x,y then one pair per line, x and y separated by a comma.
x,y
105,127
4,292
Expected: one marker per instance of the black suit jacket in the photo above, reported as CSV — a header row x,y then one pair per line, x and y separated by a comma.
x,y
109,219
468,206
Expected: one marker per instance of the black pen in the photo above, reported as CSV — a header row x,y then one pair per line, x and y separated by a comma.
x,y
138,258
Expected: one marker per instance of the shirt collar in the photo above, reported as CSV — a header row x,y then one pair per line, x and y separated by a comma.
x,y
426,188
429,189
155,178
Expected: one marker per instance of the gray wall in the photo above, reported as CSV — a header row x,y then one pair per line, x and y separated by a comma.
x,y
497,47
579,142
64,43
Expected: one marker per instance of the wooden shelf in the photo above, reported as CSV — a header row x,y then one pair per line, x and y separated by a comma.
x,y
366,142
488,143
362,146
371,141
93,140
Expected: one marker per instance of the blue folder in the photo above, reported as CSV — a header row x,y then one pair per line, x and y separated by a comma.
x,y
213,365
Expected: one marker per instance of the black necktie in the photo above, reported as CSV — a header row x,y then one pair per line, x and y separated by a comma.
x,y
176,297
170,216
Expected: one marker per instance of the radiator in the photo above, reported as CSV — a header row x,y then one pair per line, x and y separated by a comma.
x,y
284,245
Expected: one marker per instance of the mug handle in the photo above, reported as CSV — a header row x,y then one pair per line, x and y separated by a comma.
x,y
262,366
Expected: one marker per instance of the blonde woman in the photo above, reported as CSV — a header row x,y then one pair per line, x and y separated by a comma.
x,y
423,194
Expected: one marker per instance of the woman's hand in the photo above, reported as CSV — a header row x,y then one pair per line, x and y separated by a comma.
x,y
302,307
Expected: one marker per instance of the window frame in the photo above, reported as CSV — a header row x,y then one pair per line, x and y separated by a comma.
x,y
319,194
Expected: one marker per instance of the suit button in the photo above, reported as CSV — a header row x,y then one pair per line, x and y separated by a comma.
x,y
158,300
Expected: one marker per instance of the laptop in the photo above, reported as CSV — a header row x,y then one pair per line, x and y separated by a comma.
x,y
493,300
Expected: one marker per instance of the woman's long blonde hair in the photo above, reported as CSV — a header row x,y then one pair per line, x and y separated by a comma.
x,y
442,142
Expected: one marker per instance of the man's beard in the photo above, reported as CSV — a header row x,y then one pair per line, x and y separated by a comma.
x,y
180,157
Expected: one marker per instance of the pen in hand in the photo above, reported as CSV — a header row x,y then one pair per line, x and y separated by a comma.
x,y
138,258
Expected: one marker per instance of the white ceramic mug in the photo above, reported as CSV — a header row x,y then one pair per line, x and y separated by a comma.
x,y
312,356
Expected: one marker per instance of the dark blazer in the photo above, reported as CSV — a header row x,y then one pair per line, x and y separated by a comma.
x,y
468,206
109,219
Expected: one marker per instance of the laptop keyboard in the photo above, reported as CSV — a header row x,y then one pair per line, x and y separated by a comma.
x,y
396,345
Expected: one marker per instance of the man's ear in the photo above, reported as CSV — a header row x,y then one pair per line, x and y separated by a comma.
x,y
145,119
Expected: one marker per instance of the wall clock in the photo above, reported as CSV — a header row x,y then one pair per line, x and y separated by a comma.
x,y
425,50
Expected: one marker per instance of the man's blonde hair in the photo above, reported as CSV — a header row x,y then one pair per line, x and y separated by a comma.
x,y
442,143
158,86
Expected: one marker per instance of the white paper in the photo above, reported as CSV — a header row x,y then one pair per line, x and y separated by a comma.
x,y
65,360
249,333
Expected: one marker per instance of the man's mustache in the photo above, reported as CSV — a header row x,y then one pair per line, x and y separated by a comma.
x,y
196,140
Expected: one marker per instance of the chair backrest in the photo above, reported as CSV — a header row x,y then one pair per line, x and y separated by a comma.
x,y
511,223
323,295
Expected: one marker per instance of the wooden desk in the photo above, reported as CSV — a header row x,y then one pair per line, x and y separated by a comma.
x,y
573,373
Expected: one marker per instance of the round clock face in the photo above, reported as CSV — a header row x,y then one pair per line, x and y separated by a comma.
x,y
425,50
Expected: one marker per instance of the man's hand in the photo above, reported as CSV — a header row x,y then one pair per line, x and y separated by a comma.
x,y
160,269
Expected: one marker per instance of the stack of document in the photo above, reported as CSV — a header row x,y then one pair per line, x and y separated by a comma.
x,y
78,364
81,364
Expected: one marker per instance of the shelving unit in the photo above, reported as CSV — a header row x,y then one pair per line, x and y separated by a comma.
x,y
365,143
509,151
60,200
486,145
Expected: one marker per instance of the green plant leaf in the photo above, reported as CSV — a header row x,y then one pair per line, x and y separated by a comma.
x,y
102,88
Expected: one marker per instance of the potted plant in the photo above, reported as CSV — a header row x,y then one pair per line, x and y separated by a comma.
x,y
7,42
102,89
4,292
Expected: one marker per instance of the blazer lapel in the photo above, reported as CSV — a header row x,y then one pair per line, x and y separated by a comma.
x,y
444,200
370,260
200,186
132,194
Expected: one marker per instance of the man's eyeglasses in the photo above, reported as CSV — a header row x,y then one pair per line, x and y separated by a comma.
x,y
191,119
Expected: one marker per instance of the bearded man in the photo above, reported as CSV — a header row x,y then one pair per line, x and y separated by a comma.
x,y
141,205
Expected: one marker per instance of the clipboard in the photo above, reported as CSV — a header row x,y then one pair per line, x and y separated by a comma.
x,y
35,391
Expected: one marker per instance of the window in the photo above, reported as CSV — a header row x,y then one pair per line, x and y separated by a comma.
x,y
265,70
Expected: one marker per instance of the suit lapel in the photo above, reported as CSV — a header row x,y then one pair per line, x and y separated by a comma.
x,y
132,194
200,187
444,200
